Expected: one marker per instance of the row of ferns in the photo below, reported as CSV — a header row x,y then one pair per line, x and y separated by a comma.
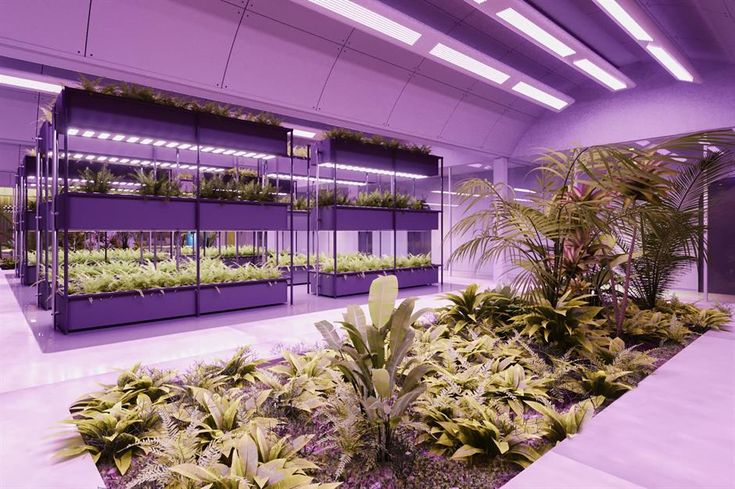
x,y
465,395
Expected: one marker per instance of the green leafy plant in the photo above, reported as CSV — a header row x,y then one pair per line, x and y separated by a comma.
x,y
557,426
157,183
99,181
372,358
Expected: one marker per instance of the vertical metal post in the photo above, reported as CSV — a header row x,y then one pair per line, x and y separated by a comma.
x,y
308,219
290,214
54,235
334,232
441,222
66,231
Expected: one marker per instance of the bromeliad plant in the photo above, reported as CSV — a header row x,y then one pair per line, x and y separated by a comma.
x,y
372,358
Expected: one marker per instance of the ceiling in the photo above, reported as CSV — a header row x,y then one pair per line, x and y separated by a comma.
x,y
280,56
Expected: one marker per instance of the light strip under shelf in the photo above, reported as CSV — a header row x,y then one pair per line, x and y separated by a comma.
x,y
286,176
126,160
89,133
376,171
373,20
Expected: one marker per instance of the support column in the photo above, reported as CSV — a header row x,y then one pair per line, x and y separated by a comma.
x,y
500,180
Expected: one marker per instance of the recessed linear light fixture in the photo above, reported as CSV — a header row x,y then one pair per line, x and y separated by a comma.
x,y
539,95
670,63
626,21
136,162
372,20
88,133
376,171
601,75
29,84
302,133
534,31
469,63
286,176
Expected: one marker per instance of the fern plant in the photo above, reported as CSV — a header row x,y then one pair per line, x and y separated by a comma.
x,y
157,183
557,426
99,181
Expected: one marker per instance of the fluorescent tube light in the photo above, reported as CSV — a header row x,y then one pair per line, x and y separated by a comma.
x,y
539,95
229,152
132,139
218,151
27,83
524,190
88,134
468,63
301,133
146,141
670,63
370,19
286,176
160,142
172,144
376,171
118,137
596,72
535,32
617,12
72,131
438,204
103,135
184,146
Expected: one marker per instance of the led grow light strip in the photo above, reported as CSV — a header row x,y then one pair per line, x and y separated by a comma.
x,y
376,171
88,133
670,63
372,20
469,63
286,176
302,133
539,95
534,31
598,73
122,160
83,180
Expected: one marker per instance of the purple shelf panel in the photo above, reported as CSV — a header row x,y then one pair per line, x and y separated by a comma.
x,y
28,274
81,109
79,312
352,218
216,215
97,212
300,275
216,130
300,220
44,295
343,284
378,157
241,295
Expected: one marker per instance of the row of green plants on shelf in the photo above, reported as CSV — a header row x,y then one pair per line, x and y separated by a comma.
x,y
356,136
232,186
464,395
90,257
147,94
120,276
227,251
376,198
363,262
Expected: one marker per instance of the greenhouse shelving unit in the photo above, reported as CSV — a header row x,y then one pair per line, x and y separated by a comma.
x,y
337,155
118,128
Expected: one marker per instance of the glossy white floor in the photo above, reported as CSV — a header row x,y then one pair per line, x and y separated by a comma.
x,y
676,430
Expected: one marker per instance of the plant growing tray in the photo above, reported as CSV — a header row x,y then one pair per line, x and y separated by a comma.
x,y
378,157
218,215
300,275
341,284
354,218
241,295
96,212
86,311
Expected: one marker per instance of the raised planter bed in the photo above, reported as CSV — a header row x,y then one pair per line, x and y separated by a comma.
x,y
28,274
378,157
353,218
241,295
300,274
218,215
300,220
82,211
86,311
341,284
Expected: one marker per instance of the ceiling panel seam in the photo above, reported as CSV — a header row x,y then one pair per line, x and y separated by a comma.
x,y
331,70
449,117
232,44
400,94
388,62
86,34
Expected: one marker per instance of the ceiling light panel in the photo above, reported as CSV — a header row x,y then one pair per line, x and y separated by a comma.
x,y
535,32
539,95
29,84
638,24
437,45
529,23
370,19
